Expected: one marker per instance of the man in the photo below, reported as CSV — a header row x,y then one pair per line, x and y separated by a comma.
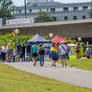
x,y
28,50
18,48
41,54
23,52
63,52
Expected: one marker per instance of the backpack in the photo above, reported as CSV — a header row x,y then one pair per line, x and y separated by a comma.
x,y
41,51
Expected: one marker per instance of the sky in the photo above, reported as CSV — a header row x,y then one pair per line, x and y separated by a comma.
x,y
21,2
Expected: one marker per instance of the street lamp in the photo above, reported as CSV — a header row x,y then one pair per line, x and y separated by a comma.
x,y
17,32
25,8
50,35
79,39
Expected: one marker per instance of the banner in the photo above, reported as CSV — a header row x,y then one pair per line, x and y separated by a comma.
x,y
19,21
0,22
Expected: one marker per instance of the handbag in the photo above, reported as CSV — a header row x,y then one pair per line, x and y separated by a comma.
x,y
65,51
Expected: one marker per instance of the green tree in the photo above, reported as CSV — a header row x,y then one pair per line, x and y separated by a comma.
x,y
44,17
6,9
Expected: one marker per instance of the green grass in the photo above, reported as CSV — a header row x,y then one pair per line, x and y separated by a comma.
x,y
13,80
81,64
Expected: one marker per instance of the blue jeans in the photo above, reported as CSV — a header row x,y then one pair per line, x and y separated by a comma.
x,y
41,57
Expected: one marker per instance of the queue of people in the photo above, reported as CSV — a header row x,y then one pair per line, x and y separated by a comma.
x,y
28,52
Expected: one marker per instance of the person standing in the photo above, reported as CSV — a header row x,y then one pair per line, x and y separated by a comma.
x,y
78,50
34,53
87,52
54,55
41,54
3,52
18,49
63,52
23,52
28,50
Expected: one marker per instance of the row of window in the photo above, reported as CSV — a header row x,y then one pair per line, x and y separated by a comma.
x,y
74,17
54,9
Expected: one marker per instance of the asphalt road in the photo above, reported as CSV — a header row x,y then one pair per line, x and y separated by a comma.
x,y
66,74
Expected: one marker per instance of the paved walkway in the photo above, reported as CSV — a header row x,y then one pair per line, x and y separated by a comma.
x,y
70,75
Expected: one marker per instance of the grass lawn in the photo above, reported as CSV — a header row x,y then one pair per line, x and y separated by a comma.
x,y
13,80
82,64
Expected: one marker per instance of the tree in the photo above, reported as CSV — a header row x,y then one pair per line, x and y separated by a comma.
x,y
44,17
6,8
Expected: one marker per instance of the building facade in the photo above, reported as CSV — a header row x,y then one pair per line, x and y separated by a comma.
x,y
60,11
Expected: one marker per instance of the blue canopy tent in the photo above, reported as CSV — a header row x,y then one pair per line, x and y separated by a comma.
x,y
38,39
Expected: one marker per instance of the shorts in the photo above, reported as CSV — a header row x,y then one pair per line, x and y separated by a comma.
x,y
34,54
63,56
54,59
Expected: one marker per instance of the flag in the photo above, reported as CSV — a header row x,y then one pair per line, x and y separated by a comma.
x,y
13,33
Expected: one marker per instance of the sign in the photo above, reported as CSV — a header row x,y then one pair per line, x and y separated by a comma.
x,y
0,22
20,21
47,50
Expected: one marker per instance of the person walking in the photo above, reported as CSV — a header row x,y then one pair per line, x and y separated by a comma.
x,y
41,54
63,52
34,53
54,55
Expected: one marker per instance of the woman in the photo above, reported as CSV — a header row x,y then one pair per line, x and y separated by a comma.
x,y
54,54
78,50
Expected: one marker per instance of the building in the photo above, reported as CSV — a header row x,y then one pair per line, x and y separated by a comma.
x,y
60,11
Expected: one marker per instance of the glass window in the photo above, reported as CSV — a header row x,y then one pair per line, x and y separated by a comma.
x,y
75,8
20,11
30,10
52,9
85,7
74,17
65,8
84,17
65,18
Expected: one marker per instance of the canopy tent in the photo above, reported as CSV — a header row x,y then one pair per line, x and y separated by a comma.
x,y
58,39
38,39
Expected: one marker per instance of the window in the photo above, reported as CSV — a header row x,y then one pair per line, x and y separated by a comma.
x,y
30,10
84,17
85,7
47,9
40,9
52,9
65,8
74,17
75,8
20,11
65,18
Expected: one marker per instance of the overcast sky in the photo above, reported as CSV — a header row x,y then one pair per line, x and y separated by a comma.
x,y
21,2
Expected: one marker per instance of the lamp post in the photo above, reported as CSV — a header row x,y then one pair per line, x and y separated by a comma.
x,y
17,32
50,35
25,8
79,39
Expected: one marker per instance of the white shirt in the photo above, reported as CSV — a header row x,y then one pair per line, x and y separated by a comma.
x,y
14,52
62,49
3,49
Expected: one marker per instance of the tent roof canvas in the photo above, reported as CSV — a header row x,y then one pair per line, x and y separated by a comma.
x,y
37,38
58,39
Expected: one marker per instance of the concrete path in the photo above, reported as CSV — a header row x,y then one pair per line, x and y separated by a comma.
x,y
67,74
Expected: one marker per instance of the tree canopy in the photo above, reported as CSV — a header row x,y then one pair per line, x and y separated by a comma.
x,y
6,8
44,17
